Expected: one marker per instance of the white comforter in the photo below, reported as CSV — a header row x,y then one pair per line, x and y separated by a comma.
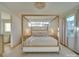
x,y
40,41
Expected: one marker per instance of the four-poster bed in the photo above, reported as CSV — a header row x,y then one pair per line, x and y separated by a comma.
x,y
37,35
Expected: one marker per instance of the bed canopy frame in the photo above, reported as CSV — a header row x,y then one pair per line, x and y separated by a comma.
x,y
25,17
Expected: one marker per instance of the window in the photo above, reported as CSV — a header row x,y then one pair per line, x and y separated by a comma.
x,y
40,24
70,26
7,27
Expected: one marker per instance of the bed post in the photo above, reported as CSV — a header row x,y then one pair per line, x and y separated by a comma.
x,y
22,30
59,36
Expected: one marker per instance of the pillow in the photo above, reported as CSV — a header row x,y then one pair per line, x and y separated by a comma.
x,y
39,33
53,34
27,32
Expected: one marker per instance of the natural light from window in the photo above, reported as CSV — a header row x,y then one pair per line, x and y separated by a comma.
x,y
7,27
40,24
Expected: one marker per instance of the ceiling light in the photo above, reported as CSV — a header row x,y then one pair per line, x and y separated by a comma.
x,y
39,5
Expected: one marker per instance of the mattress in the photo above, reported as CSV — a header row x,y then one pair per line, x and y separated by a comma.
x,y
40,41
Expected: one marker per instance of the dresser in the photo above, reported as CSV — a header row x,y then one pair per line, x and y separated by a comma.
x,y
1,45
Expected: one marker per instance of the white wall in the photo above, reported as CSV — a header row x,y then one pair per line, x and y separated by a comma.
x,y
61,29
16,31
77,32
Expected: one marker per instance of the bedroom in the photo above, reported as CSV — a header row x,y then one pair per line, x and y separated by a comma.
x,y
62,16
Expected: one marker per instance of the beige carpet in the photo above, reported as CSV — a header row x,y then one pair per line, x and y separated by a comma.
x,y
17,52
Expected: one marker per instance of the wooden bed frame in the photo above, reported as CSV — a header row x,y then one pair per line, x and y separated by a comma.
x,y
40,48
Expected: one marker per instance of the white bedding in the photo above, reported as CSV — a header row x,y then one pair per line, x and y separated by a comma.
x,y
33,40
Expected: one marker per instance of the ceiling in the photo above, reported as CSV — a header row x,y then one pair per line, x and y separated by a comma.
x,y
50,7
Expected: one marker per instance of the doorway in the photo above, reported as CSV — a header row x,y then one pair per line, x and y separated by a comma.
x,y
5,29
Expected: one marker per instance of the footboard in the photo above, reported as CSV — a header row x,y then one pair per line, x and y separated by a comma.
x,y
41,49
